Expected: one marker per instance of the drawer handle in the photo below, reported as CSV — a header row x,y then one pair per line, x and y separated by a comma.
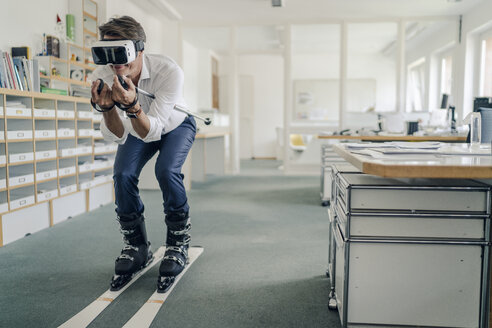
x,y
45,113
69,189
22,202
48,195
45,133
21,157
19,111
22,179
47,175
20,134
47,154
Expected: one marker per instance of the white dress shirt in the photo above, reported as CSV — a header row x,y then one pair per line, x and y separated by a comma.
x,y
164,78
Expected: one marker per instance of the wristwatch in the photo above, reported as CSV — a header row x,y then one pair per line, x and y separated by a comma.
x,y
134,114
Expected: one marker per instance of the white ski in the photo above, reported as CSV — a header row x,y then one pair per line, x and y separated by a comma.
x,y
91,311
144,317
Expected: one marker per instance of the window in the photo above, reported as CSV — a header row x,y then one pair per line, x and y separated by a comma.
x,y
416,86
486,67
446,74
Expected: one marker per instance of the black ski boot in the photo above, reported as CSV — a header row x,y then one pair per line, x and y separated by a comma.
x,y
176,256
136,254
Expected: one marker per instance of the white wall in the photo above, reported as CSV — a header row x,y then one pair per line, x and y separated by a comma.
x,y
190,67
162,34
268,75
23,22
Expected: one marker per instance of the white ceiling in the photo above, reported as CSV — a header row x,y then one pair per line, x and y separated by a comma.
x,y
225,12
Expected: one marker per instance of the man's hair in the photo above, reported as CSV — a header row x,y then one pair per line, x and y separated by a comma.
x,y
125,27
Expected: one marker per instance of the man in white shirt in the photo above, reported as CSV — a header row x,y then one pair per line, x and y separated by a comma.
x,y
151,126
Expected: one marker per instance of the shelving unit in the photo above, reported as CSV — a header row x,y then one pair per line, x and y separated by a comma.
x,y
48,152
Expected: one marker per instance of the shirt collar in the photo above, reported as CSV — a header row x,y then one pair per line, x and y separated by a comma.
x,y
145,71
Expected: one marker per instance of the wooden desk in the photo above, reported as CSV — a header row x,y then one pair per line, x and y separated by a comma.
x,y
398,138
422,166
208,155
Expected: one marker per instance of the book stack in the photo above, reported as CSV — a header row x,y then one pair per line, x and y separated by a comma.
x,y
19,73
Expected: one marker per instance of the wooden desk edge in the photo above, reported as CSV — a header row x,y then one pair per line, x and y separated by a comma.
x,y
412,171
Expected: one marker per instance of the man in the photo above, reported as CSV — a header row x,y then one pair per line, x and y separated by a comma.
x,y
151,126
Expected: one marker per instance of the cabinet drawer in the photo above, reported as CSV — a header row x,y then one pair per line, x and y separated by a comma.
x,y
363,192
84,150
20,180
413,227
19,134
68,189
45,195
45,154
85,132
18,203
63,171
4,207
41,176
84,114
23,112
21,157
67,152
40,134
66,114
85,167
66,133
41,112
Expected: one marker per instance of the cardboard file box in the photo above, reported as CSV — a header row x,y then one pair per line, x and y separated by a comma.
x,y
21,112
19,134
46,175
21,157
44,113
66,114
64,171
21,202
68,189
45,154
43,134
46,195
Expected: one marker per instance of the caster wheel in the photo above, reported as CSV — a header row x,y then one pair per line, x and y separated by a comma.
x,y
332,304
325,203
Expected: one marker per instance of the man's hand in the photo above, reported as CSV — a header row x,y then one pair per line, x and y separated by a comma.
x,y
124,97
104,99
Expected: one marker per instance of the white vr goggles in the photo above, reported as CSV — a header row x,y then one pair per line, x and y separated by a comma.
x,y
117,52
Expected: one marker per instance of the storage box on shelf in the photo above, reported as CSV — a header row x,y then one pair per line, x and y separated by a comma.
x,y
47,153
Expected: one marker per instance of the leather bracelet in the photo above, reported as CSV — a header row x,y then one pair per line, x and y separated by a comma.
x,y
104,109
134,114
127,107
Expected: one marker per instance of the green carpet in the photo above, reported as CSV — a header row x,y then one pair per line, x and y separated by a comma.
x,y
265,240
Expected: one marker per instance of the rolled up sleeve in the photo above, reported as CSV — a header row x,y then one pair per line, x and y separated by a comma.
x,y
110,136
168,93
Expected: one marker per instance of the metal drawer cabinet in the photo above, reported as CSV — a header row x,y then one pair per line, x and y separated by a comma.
x,y
363,192
411,283
437,226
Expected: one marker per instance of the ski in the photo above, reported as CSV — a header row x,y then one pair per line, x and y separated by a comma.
x,y
147,313
90,312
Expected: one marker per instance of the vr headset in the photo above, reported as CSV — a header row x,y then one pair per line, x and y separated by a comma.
x,y
118,52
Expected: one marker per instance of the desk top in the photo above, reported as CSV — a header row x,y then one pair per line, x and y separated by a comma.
x,y
420,166
397,138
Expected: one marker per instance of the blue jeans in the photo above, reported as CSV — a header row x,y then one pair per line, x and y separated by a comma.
x,y
134,154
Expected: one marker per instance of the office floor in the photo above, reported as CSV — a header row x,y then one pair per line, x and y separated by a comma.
x,y
265,240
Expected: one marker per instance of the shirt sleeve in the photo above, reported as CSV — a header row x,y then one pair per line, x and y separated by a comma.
x,y
169,92
110,136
